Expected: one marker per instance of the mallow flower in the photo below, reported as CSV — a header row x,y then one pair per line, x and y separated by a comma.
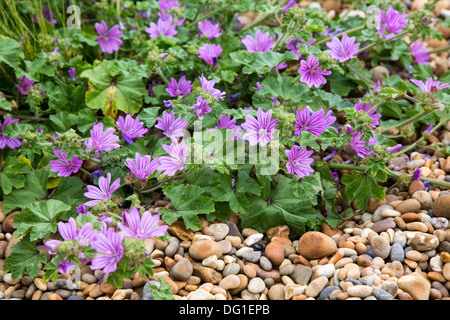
x,y
141,226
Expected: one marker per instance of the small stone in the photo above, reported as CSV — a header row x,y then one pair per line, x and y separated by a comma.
x,y
360,291
89,278
415,285
316,245
220,231
253,256
276,292
278,231
383,225
200,294
202,249
182,270
441,207
275,252
381,246
381,294
325,293
421,241
253,238
206,274
231,281
397,253
256,285
231,268
326,270
316,286
265,263
409,205
301,274
171,249
40,284
424,198
439,223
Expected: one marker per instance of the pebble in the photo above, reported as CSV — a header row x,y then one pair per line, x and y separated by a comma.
x,y
253,238
397,253
316,245
256,285
316,286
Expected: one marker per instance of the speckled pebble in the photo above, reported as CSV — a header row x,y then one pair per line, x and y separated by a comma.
x,y
397,253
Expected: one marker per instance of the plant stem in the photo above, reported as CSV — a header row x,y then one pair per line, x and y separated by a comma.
x,y
263,16
383,40
161,74
410,120
412,146
85,171
440,50
344,166
360,75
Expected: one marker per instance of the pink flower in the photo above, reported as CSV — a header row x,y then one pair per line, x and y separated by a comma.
x,y
143,166
344,49
141,227
259,130
65,167
108,39
299,161
180,88
104,191
176,159
163,27
209,29
209,53
262,42
312,74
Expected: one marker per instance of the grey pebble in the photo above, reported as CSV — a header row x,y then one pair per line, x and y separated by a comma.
x,y
75,297
265,263
231,268
397,253
147,292
354,281
325,293
252,256
381,294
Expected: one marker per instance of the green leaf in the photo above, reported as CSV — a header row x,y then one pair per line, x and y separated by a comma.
x,y
164,292
282,87
235,195
265,61
361,187
10,52
4,104
70,191
149,116
187,203
310,187
24,256
12,174
39,218
308,139
112,89
282,206
35,189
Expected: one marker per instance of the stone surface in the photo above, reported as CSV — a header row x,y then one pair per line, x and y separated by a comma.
x,y
441,207
202,249
316,245
415,285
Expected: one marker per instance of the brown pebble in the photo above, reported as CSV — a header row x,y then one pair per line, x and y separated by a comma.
x,y
55,296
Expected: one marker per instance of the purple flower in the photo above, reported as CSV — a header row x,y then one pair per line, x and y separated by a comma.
x,y
143,166
259,130
47,15
420,55
262,42
25,85
370,111
416,174
358,145
210,53
208,86
66,266
97,173
311,73
344,49
180,88
428,130
299,161
209,29
390,22
101,141
171,127
166,5
72,74
329,119
176,160
110,251
6,140
142,227
104,191
430,86
163,27
313,122
377,87
335,175
395,148
168,104
225,122
288,5
131,128
65,167
69,231
258,86
108,39
201,107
